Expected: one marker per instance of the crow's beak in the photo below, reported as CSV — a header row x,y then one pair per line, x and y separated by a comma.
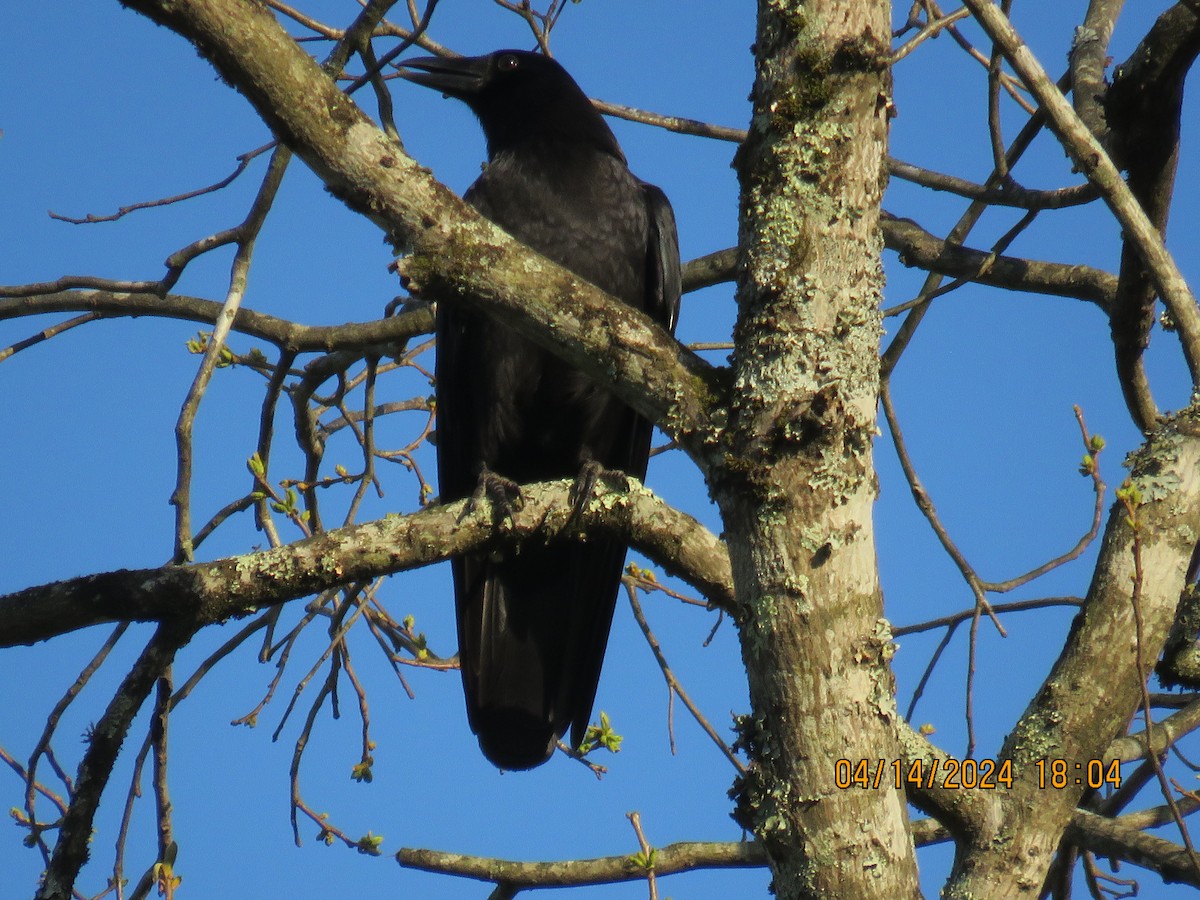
x,y
459,77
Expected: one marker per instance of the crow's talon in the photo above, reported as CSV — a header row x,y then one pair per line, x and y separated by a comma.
x,y
584,484
591,474
502,494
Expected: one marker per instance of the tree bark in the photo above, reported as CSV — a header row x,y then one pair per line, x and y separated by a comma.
x,y
1096,684
797,486
208,593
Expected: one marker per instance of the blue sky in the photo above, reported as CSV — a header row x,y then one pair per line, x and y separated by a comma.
x,y
105,109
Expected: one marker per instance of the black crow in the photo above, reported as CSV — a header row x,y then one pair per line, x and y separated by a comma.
x,y
533,621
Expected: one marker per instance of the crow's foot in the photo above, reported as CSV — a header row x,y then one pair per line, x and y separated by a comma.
x,y
503,494
590,474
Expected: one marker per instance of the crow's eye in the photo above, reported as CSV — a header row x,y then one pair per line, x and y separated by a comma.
x,y
507,63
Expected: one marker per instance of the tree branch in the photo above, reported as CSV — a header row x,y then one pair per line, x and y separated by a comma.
x,y
1143,108
284,334
212,592
1088,57
83,294
919,248
1111,838
459,256
669,860
104,743
964,813
685,856
1094,162
1087,698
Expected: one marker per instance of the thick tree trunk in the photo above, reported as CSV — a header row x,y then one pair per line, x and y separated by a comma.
x,y
797,486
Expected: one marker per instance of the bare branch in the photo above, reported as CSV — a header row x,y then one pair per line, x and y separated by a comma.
x,y
244,160
1094,162
919,248
965,813
931,29
998,608
1108,837
1004,193
212,592
280,332
669,860
677,124
104,742
673,685
246,235
1163,735
1143,108
1088,55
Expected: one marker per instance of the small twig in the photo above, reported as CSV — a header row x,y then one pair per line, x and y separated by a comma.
x,y
251,718
366,440
644,859
1095,876
1091,467
5,756
925,504
42,747
999,608
958,234
327,653
376,620
243,159
930,30
594,767
78,282
266,430
247,236
995,128
241,504
673,685
644,579
1011,84
407,40
329,832
166,878
297,802
676,124
919,690
969,705
363,771
1002,193
413,404
681,857
46,333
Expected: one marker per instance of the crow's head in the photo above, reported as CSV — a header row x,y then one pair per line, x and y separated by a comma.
x,y
518,96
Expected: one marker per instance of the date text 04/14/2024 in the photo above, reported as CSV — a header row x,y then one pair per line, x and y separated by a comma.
x,y
971,774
